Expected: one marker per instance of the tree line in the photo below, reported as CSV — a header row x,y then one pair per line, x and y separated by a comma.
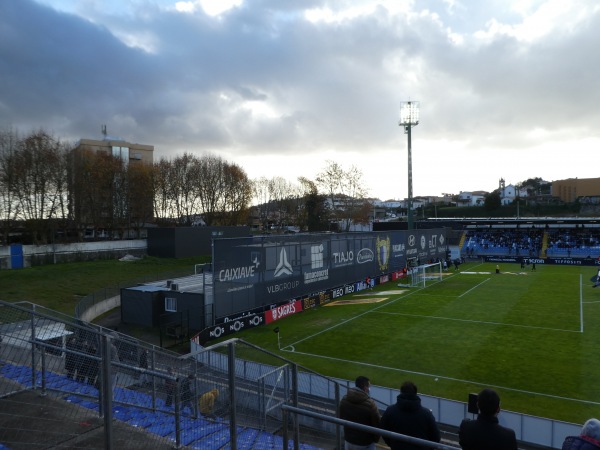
x,y
50,192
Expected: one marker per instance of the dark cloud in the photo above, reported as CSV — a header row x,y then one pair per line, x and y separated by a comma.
x,y
262,80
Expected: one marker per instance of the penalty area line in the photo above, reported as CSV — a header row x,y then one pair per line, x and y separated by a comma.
x,y
344,322
482,322
459,380
474,287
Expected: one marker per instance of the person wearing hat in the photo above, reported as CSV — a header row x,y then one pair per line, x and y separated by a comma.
x,y
589,439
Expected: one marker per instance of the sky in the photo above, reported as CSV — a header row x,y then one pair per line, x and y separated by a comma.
x,y
507,89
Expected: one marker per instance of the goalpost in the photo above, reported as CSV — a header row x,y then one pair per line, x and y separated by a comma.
x,y
426,274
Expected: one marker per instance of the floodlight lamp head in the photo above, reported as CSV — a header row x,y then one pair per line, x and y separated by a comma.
x,y
409,113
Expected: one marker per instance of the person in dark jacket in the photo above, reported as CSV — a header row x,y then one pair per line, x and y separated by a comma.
x,y
408,417
486,433
71,357
589,439
357,406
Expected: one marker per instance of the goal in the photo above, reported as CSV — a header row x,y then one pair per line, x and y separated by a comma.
x,y
426,274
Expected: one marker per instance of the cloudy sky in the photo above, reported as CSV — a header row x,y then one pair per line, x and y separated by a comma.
x,y
507,88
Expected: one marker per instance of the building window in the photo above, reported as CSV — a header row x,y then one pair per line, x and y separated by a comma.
x,y
121,153
170,304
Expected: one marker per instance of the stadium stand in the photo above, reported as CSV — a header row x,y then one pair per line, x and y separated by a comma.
x,y
511,242
576,243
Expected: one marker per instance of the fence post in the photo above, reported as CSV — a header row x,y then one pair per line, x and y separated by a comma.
x,y
107,390
285,424
232,409
33,347
295,403
176,400
43,371
338,428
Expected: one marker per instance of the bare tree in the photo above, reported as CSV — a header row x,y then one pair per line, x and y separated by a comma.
x,y
210,187
345,192
95,180
9,207
141,194
184,179
315,213
273,200
237,195
261,191
40,176
164,211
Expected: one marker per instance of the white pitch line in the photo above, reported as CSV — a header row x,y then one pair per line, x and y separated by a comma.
x,y
474,287
400,297
479,322
325,330
521,391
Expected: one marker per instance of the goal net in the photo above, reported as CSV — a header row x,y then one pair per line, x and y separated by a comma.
x,y
426,274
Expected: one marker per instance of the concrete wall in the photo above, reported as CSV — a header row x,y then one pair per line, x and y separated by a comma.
x,y
97,309
36,255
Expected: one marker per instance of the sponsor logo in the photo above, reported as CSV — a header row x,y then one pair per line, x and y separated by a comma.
x,y
319,275
279,312
238,272
309,303
342,290
236,326
217,332
442,239
365,255
423,242
316,256
325,297
286,286
283,266
433,241
283,311
398,248
383,252
316,262
343,257
412,240
253,319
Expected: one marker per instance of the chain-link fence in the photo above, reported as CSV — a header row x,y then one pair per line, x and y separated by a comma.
x,y
65,383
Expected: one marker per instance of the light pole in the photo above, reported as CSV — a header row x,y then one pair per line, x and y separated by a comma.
x,y
409,117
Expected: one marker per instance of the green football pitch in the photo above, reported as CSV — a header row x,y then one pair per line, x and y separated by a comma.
x,y
532,335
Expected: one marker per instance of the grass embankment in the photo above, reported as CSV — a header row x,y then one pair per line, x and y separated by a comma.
x,y
60,287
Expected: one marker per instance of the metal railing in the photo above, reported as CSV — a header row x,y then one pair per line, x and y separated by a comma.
x,y
288,411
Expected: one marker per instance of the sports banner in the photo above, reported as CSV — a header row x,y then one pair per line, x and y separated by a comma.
x,y
255,272
279,312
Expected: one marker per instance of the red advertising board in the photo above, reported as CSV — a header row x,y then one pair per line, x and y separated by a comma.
x,y
282,311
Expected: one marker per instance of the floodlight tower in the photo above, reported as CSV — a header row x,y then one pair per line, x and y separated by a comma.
x,y
409,117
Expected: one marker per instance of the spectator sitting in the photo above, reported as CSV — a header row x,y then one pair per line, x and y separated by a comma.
x,y
207,403
589,439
